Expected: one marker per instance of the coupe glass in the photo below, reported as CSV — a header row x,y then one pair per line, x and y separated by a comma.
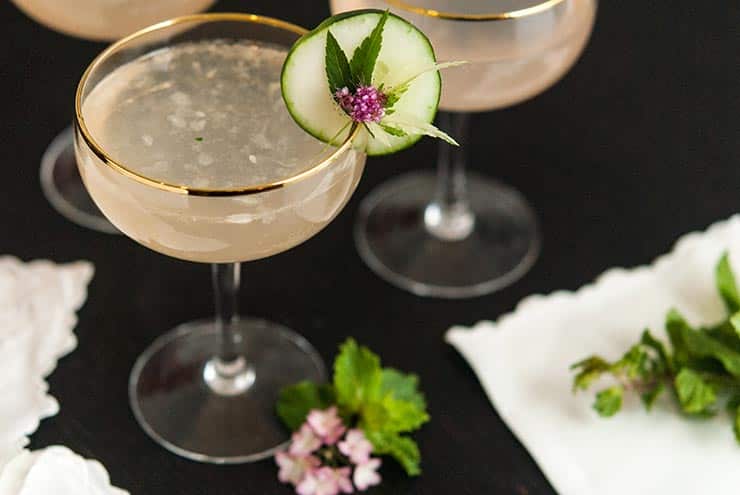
x,y
455,234
207,389
97,20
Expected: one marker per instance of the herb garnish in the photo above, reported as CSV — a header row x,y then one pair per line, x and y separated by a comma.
x,y
382,402
701,366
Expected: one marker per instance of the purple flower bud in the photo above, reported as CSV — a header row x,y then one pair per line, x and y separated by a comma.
x,y
367,104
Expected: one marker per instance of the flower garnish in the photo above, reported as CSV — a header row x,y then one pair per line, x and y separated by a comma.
x,y
315,464
327,425
358,92
341,428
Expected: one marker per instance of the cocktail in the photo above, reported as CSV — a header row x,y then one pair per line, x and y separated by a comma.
x,y
184,142
460,235
99,20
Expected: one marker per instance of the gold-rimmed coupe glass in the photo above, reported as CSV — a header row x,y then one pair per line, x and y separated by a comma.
x,y
94,20
455,234
185,144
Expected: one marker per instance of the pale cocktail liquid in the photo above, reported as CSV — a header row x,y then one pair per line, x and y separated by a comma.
x,y
209,115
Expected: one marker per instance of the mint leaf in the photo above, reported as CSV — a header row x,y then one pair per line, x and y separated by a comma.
x,y
726,284
736,424
295,402
609,401
695,395
392,130
700,345
338,73
365,56
401,448
393,416
357,376
648,398
656,345
735,323
590,369
676,326
401,386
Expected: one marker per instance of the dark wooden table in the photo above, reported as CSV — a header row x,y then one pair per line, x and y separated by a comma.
x,y
637,145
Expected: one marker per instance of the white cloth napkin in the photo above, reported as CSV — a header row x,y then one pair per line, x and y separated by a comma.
x,y
38,302
522,362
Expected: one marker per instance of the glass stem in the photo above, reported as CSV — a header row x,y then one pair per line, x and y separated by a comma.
x,y
228,373
226,282
449,216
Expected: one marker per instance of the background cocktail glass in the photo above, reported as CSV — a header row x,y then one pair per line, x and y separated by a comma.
x,y
96,20
461,235
207,390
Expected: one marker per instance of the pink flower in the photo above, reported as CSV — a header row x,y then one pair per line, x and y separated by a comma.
x,y
343,481
293,468
304,441
367,104
324,481
366,474
326,424
356,446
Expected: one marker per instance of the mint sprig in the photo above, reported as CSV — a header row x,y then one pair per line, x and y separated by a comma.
x,y
365,56
338,72
384,402
700,366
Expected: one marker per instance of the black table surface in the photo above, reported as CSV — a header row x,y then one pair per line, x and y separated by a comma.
x,y
638,144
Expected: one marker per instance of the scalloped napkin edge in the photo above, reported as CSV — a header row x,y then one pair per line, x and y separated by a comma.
x,y
38,304
522,363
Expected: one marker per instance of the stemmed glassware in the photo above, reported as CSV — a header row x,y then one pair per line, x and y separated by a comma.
x,y
184,142
461,234
96,20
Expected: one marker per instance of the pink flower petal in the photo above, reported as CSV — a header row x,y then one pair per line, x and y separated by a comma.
x,y
304,441
326,424
294,468
366,474
320,481
356,446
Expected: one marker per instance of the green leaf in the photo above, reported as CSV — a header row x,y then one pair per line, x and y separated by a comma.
x,y
591,369
656,345
634,364
363,60
392,130
357,376
676,326
735,323
338,72
401,386
295,402
700,345
393,416
609,401
726,284
401,448
726,332
648,398
695,395
413,125
736,425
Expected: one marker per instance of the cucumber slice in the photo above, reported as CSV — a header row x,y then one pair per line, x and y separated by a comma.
x,y
405,52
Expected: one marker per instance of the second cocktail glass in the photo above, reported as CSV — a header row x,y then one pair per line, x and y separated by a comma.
x,y
185,144
97,20
456,234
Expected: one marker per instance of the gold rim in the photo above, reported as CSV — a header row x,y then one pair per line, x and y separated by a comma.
x,y
98,150
456,16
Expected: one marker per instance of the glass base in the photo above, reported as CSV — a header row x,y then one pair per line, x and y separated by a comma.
x,y
179,399
393,239
63,187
